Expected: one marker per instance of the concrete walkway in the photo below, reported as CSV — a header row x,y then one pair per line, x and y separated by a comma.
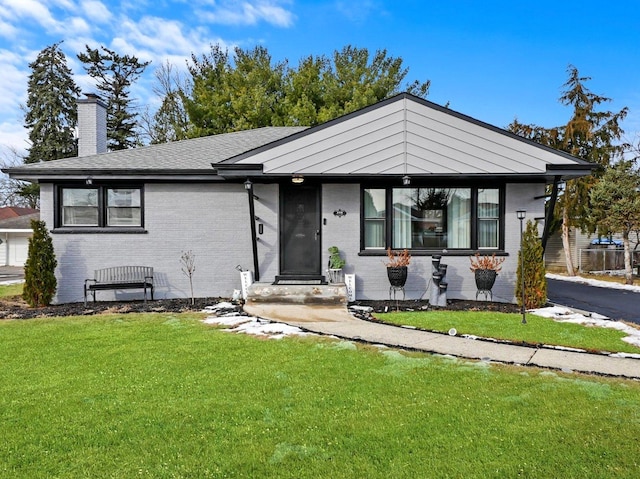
x,y
337,321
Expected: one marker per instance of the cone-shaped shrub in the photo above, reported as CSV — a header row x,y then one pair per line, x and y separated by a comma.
x,y
535,283
39,270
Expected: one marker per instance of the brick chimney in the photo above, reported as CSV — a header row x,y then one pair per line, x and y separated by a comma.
x,y
92,125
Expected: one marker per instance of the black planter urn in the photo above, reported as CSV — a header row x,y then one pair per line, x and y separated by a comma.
x,y
485,278
397,276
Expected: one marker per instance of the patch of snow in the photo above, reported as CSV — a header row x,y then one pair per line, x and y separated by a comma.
x,y
566,315
219,306
255,326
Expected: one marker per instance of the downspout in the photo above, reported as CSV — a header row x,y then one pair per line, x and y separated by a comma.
x,y
550,210
254,238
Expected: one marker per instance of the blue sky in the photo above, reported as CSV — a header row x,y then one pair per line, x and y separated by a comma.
x,y
492,60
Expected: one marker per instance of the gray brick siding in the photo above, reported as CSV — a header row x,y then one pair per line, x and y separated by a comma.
x,y
212,220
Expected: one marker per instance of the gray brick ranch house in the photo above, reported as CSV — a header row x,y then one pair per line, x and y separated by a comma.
x,y
403,173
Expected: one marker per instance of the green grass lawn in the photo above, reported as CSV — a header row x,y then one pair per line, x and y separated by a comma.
x,y
165,396
8,290
538,330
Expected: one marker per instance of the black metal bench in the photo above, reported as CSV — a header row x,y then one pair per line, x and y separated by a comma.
x,y
120,277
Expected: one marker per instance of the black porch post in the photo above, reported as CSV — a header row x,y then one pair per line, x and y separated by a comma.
x,y
550,210
254,238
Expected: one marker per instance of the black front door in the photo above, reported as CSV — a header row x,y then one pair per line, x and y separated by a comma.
x,y
300,230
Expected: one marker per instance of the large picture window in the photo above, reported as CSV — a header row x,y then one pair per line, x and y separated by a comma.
x,y
100,206
432,218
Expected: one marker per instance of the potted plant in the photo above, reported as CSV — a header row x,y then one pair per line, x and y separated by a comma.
x,y
397,262
485,269
336,263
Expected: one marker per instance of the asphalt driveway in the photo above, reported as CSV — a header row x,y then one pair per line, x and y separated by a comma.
x,y
11,273
617,304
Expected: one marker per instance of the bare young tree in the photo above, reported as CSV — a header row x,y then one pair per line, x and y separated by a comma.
x,y
13,192
170,122
188,262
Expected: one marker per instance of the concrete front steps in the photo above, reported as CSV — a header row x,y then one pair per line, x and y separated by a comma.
x,y
308,294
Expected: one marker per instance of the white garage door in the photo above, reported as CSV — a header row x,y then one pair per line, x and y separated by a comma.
x,y
18,249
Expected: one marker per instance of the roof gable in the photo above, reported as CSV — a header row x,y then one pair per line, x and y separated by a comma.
x,y
407,135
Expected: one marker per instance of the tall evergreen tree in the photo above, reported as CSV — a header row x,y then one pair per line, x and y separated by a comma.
x,y
232,93
51,112
532,257
115,74
615,206
590,134
248,90
40,281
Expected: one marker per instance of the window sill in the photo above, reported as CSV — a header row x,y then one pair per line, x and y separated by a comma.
x,y
432,252
99,230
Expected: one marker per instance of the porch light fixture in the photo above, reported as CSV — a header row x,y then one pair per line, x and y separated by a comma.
x,y
406,180
521,214
297,179
89,180
248,185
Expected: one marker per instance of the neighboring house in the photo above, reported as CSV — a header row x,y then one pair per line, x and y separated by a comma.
x,y
403,173
15,232
15,211
588,252
555,259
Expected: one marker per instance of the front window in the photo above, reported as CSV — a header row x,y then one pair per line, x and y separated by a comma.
x,y
80,207
488,218
431,218
123,207
375,211
99,206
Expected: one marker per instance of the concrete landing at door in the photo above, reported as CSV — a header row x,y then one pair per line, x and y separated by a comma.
x,y
309,294
298,314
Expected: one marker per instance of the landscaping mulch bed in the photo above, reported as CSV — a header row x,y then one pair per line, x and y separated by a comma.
x,y
388,306
16,308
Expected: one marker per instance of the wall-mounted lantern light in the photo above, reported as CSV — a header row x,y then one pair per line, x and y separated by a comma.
x,y
406,180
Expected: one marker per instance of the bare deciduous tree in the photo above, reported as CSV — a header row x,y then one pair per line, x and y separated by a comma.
x,y
188,262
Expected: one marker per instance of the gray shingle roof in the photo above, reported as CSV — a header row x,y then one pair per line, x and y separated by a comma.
x,y
186,155
19,222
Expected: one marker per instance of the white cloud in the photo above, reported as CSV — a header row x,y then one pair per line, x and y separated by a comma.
x,y
7,30
96,11
234,12
13,138
30,9
14,80
77,26
358,11
158,40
